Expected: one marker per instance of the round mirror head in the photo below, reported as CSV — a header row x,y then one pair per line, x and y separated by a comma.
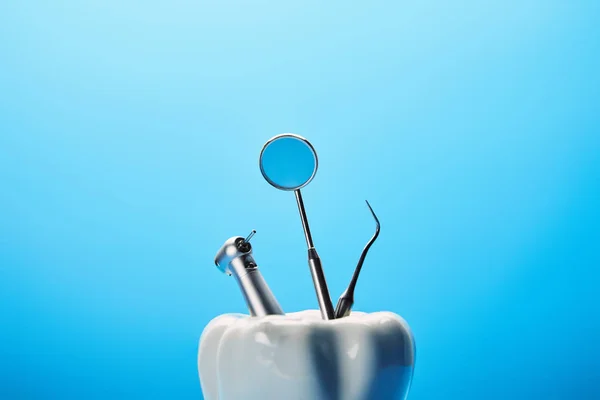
x,y
288,161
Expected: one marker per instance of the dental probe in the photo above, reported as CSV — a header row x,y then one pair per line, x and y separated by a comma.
x,y
235,258
346,300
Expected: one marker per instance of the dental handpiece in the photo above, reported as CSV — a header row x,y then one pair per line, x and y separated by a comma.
x,y
235,258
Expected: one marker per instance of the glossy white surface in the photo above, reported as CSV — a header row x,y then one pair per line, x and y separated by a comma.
x,y
300,356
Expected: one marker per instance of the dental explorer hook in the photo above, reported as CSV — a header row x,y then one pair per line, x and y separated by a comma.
x,y
346,300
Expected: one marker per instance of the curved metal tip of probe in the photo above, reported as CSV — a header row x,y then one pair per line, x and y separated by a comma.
x,y
366,249
376,221
347,299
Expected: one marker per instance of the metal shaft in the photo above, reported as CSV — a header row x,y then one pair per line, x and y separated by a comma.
x,y
314,263
309,241
316,270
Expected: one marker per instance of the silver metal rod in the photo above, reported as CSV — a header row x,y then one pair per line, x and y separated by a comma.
x,y
314,263
250,236
309,241
318,276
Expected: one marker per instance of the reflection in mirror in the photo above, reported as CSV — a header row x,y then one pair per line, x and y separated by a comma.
x,y
288,162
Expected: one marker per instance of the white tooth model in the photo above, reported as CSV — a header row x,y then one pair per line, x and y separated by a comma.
x,y
300,356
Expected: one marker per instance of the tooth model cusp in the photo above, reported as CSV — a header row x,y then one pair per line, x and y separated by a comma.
x,y
300,356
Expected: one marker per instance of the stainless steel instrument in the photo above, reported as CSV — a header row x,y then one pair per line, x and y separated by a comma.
x,y
289,162
346,301
235,258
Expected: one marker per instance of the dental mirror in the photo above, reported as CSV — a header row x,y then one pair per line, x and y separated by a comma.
x,y
289,162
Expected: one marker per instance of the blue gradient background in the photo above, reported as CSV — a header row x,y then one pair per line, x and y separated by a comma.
x,y
129,138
